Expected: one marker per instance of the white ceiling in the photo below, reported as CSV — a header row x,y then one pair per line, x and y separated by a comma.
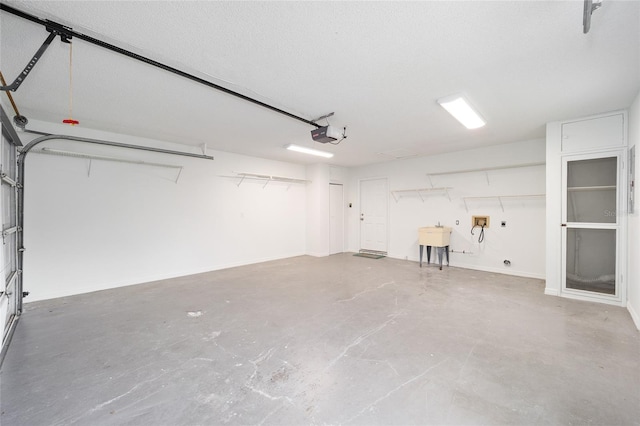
x,y
380,66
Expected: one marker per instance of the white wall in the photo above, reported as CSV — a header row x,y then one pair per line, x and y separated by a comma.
x,y
633,299
318,210
522,241
126,224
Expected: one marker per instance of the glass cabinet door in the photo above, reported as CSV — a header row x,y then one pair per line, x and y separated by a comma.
x,y
591,260
590,218
592,190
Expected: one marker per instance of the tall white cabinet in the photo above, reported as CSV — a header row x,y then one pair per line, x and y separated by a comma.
x,y
587,208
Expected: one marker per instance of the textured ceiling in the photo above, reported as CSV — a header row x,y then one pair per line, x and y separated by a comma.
x,y
380,66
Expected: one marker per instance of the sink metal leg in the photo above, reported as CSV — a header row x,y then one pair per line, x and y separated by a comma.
x,y
440,251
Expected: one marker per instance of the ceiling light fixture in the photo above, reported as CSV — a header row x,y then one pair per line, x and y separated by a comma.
x,y
459,107
310,151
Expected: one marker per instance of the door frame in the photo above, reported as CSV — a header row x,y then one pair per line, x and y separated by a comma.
x,y
620,227
360,181
342,215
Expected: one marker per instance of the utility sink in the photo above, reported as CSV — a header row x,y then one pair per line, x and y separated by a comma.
x,y
434,236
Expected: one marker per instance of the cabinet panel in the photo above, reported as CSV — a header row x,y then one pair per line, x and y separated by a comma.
x,y
594,133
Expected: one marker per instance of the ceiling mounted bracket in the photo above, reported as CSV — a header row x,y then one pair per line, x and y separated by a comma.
x,y
323,117
54,31
589,7
65,33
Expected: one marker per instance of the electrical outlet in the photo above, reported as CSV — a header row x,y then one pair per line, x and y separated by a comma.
x,y
480,221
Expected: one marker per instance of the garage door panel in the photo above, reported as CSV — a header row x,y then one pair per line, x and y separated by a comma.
x,y
9,168
10,279
4,306
8,206
9,262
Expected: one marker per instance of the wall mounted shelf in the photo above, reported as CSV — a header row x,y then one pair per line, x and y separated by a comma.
x,y
500,198
591,188
397,194
268,178
91,157
486,170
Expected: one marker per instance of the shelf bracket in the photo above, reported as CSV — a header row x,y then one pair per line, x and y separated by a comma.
x,y
486,173
420,195
179,173
465,205
393,194
500,201
430,181
448,196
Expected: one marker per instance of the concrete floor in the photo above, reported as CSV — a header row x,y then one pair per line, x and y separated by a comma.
x,y
338,340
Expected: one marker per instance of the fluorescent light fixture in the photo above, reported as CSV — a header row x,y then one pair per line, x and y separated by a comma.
x,y
310,151
459,107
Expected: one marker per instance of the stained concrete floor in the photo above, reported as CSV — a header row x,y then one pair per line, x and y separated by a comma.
x,y
337,340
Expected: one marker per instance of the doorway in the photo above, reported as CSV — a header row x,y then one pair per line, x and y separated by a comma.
x,y
374,208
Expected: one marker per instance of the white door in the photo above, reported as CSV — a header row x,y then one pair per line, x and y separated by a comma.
x,y
336,219
374,198
10,278
592,226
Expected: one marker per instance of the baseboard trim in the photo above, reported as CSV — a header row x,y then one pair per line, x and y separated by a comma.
x,y
551,291
523,274
634,315
503,271
317,254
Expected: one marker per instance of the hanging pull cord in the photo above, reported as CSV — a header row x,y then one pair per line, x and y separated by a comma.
x,y
70,80
70,120
481,236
